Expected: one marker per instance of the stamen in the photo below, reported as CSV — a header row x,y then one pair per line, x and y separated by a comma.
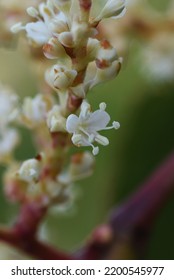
x,y
95,150
102,140
102,106
115,125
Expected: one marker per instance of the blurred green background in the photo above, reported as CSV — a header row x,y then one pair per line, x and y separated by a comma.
x,y
146,112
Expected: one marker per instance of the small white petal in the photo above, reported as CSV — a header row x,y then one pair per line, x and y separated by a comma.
x,y
102,106
98,121
72,123
102,140
38,32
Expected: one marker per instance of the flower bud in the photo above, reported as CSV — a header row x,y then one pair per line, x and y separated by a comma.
x,y
106,52
112,9
29,170
60,77
66,39
106,73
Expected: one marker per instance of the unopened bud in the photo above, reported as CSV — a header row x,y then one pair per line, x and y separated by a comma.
x,y
112,9
29,170
60,77
107,73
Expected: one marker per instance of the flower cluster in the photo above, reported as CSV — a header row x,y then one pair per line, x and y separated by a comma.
x,y
66,33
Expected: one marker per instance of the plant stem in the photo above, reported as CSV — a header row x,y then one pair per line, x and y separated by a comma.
x,y
129,225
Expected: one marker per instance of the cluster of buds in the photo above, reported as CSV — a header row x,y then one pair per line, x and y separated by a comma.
x,y
65,32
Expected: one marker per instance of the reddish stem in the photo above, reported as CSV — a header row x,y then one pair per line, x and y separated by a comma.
x,y
133,220
32,246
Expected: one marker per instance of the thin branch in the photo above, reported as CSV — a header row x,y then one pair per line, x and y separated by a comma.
x,y
23,235
32,246
130,223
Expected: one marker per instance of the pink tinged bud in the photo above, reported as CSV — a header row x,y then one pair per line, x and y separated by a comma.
x,y
106,52
106,73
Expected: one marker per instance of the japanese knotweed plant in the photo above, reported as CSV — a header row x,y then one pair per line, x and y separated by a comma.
x,y
66,32
70,57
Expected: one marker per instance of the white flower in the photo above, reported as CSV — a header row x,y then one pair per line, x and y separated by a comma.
x,y
49,24
60,77
85,127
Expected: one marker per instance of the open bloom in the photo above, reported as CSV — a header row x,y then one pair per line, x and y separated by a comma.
x,y
49,24
85,127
